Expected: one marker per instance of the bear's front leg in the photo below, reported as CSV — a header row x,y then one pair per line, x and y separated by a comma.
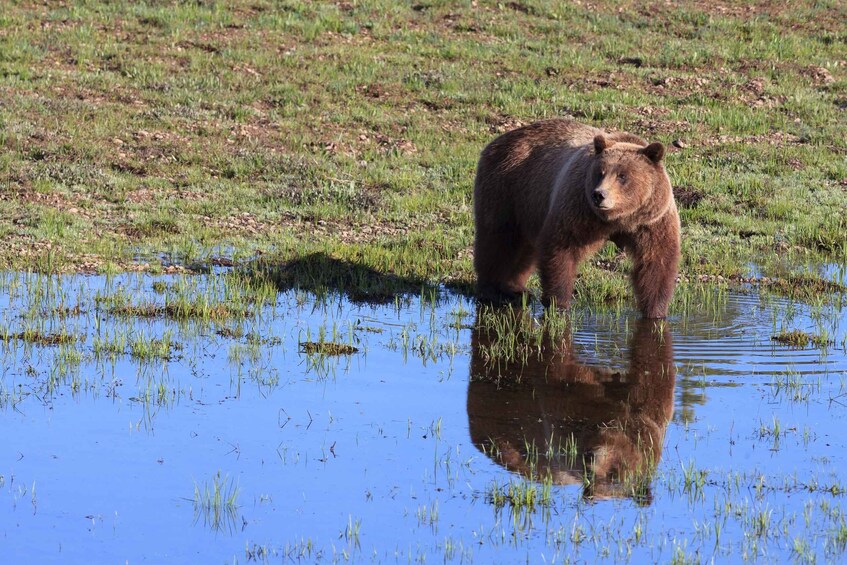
x,y
557,271
558,266
655,258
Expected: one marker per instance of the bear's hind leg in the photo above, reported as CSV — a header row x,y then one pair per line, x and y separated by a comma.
x,y
521,268
503,264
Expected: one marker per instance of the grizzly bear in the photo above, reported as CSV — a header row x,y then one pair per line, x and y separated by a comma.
x,y
553,416
551,193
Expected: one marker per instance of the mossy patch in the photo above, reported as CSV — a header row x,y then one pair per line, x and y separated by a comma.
x,y
39,338
799,338
327,348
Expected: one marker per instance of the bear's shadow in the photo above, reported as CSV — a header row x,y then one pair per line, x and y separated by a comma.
x,y
323,275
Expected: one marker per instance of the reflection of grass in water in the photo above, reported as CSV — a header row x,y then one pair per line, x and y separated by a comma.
x,y
793,386
217,502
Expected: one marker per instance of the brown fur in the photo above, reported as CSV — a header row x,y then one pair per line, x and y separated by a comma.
x,y
618,421
533,208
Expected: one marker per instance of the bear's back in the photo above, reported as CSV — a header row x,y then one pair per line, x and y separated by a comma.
x,y
518,170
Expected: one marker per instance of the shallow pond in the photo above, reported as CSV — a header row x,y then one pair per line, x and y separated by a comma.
x,y
188,420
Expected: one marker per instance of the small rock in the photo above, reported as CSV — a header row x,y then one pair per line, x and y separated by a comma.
x,y
679,144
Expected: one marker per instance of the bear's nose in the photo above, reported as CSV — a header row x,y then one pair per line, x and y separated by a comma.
x,y
598,196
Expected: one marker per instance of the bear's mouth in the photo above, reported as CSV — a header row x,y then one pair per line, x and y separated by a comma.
x,y
604,208
606,211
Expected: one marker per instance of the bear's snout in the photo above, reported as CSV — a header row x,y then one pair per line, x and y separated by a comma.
x,y
598,196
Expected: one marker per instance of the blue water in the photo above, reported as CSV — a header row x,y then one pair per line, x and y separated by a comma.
x,y
371,456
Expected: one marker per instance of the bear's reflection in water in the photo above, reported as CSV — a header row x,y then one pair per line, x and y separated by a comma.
x,y
554,418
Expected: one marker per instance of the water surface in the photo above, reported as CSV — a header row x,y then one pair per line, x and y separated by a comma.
x,y
408,448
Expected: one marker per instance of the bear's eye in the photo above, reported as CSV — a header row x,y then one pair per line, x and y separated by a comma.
x,y
621,178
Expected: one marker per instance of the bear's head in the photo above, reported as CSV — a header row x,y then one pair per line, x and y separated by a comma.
x,y
627,182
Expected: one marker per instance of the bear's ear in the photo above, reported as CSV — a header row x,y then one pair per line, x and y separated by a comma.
x,y
600,143
654,152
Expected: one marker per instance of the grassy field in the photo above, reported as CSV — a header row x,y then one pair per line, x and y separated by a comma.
x,y
168,135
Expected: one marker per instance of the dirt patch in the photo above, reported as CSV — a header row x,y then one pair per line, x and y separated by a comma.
x,y
502,123
345,230
818,75
651,128
134,150
742,10
374,90
519,7
144,195
687,197
243,223
679,86
776,138
796,164
388,144
753,93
